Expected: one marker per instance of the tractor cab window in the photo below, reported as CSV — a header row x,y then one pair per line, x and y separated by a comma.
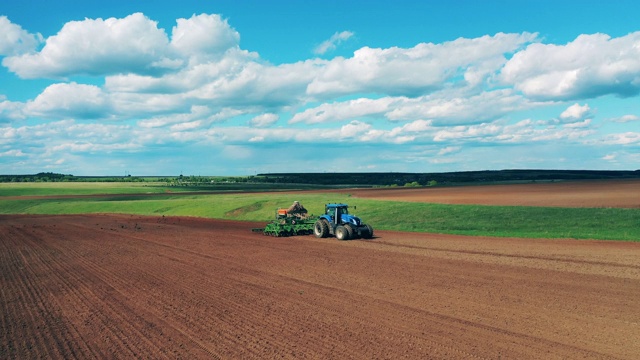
x,y
332,210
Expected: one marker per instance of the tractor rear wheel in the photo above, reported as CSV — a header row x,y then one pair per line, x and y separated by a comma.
x,y
342,233
321,228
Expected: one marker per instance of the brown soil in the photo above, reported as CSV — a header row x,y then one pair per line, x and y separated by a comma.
x,y
116,286
611,193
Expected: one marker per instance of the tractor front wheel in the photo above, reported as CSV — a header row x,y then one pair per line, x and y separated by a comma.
x,y
321,228
368,234
351,232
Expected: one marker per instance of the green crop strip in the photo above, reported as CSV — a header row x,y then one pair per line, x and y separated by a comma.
x,y
101,188
474,220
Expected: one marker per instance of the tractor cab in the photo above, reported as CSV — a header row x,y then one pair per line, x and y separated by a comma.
x,y
337,212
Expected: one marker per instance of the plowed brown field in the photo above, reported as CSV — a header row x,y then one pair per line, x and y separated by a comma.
x,y
605,193
118,286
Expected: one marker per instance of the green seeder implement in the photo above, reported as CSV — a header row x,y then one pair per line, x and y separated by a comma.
x,y
289,222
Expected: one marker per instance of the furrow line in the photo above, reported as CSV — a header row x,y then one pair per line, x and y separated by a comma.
x,y
85,297
180,281
8,321
34,343
444,321
516,256
261,288
177,280
523,338
251,308
261,280
107,277
537,344
339,313
64,286
576,311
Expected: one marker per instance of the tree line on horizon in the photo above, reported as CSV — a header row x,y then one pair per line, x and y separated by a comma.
x,y
461,177
363,179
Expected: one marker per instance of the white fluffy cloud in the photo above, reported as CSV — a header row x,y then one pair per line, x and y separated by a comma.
x,y
448,109
264,120
443,108
10,111
525,131
589,66
340,111
69,101
418,126
204,35
59,137
209,69
12,153
98,47
418,70
627,118
416,132
354,129
627,138
333,42
250,83
204,116
197,86
576,112
14,40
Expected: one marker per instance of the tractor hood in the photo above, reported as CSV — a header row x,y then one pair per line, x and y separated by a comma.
x,y
350,219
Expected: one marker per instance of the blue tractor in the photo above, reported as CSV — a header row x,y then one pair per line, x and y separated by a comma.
x,y
338,222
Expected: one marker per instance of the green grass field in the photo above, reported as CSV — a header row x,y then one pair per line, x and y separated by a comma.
x,y
475,220
80,188
148,187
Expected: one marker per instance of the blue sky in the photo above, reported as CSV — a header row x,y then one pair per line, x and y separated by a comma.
x,y
242,87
